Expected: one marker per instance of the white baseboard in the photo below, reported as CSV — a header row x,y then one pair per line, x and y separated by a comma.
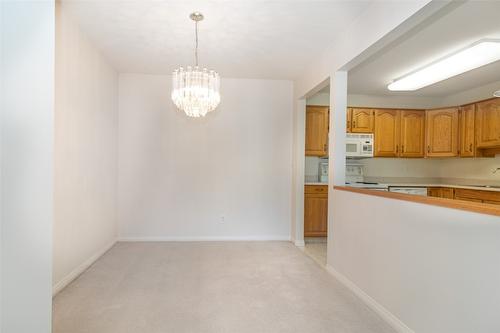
x,y
80,269
203,239
386,315
300,243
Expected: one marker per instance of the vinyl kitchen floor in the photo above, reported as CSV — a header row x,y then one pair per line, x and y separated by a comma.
x,y
315,247
232,287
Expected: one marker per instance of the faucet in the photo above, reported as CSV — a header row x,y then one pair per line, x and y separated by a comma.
x,y
495,170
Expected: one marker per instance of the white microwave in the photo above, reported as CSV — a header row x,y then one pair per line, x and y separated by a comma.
x,y
359,145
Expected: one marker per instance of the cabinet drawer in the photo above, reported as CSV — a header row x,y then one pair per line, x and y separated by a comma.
x,y
316,189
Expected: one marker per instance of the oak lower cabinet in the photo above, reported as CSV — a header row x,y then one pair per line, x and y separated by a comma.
x,y
362,120
441,192
412,133
315,210
442,132
467,144
488,123
434,192
489,197
317,123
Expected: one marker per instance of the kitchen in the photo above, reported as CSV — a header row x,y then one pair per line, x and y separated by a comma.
x,y
439,144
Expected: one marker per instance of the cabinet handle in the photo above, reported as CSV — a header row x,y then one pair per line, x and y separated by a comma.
x,y
470,147
428,149
397,149
324,147
402,148
354,124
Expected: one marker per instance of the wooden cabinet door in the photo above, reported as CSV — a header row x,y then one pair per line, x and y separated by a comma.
x,y
386,133
448,193
316,130
435,192
362,120
467,145
488,123
412,133
349,120
442,132
315,215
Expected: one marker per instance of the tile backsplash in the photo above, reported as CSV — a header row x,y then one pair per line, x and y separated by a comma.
x,y
453,170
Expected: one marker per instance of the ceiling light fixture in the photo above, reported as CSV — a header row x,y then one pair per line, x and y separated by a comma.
x,y
474,56
195,91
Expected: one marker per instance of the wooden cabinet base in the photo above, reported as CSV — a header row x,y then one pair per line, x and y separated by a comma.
x,y
315,211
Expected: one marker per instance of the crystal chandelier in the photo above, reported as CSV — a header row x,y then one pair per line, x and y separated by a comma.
x,y
195,91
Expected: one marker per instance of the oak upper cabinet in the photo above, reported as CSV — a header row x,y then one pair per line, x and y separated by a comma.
x,y
317,130
362,120
315,210
442,132
386,133
412,133
349,120
488,123
467,145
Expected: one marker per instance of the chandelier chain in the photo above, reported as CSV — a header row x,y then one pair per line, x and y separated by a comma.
x,y
196,48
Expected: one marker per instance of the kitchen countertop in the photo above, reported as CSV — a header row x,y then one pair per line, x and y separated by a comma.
x,y
467,187
316,183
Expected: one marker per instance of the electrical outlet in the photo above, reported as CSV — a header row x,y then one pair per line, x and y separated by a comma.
x,y
222,219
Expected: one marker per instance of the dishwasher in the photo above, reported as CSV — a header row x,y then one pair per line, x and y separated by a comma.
x,y
409,190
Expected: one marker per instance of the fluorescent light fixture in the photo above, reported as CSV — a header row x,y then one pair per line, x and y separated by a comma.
x,y
496,93
474,56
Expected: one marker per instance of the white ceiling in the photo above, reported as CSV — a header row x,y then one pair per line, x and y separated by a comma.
x,y
245,38
453,29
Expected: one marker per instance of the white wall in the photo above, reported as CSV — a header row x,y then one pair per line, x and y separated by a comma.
x,y
319,99
178,176
404,102
434,268
86,152
471,95
26,127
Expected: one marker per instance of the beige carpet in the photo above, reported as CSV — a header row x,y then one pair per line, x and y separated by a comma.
x,y
235,287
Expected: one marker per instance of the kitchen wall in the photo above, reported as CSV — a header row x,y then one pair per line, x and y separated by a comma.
x,y
471,95
26,146
227,176
407,102
433,268
427,170
466,169
86,146
401,169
